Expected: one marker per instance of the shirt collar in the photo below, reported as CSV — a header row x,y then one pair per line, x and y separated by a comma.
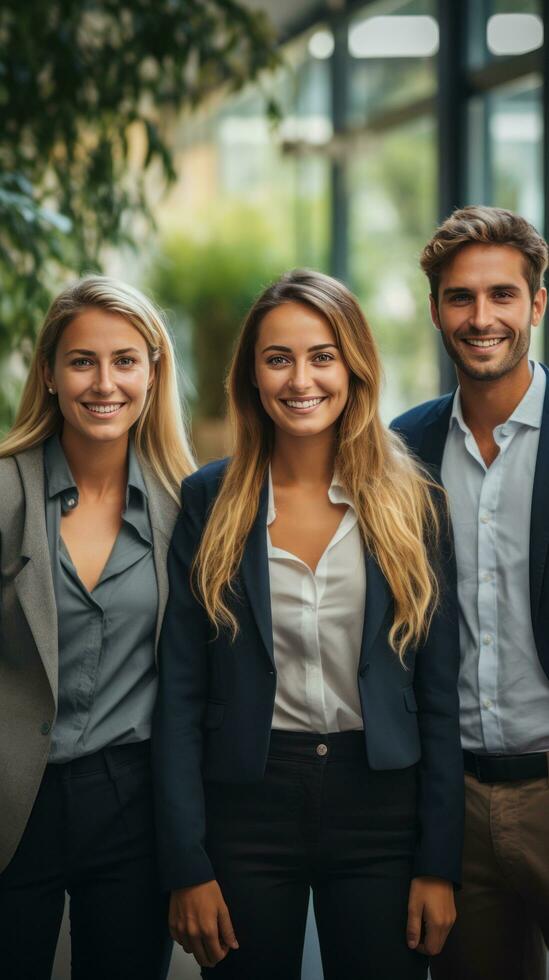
x,y
136,512
60,482
59,479
528,411
336,493
135,476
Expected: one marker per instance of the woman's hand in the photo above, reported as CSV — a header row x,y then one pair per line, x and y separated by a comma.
x,y
199,920
431,914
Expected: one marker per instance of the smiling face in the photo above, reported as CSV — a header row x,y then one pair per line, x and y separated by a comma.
x,y
302,378
485,311
101,375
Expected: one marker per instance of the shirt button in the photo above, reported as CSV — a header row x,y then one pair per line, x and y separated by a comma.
x,y
45,728
487,703
486,639
322,749
487,577
485,519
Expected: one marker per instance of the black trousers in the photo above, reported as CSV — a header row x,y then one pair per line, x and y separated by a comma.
x,y
322,819
91,834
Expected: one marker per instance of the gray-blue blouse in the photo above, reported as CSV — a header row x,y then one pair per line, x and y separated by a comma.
x,y
107,673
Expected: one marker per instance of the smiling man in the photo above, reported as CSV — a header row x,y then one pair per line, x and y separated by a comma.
x,y
491,440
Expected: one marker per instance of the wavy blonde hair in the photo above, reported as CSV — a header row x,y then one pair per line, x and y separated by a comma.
x,y
160,433
391,494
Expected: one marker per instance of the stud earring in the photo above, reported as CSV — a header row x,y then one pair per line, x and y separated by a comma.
x,y
51,391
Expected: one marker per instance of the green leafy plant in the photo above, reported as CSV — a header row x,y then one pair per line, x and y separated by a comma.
x,y
209,285
88,89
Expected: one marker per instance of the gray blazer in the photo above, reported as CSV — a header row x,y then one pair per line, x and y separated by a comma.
x,y
28,631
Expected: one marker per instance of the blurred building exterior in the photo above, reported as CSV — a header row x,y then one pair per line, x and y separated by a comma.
x,y
393,113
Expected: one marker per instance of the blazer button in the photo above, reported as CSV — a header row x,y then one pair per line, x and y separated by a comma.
x,y
364,670
45,728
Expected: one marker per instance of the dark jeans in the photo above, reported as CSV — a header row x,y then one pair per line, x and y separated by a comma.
x,y
328,822
91,834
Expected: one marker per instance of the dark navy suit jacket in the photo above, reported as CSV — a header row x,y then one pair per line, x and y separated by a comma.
x,y
425,429
215,701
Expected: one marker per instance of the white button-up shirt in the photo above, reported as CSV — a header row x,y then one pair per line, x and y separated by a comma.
x,y
318,619
503,690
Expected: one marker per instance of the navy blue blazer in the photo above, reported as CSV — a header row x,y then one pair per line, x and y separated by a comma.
x,y
216,697
424,430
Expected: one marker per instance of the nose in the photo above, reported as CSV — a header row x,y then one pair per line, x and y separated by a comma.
x,y
300,380
481,315
103,383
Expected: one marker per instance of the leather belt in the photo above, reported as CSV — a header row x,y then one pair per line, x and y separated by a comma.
x,y
505,768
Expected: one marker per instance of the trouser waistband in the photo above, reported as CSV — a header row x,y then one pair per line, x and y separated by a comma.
x,y
312,746
104,760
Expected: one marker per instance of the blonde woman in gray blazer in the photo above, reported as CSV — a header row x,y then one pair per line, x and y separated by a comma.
x,y
89,478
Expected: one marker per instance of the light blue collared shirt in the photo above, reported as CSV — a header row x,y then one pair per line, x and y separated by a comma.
x,y
503,690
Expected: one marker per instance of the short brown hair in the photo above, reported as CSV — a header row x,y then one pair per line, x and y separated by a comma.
x,y
485,226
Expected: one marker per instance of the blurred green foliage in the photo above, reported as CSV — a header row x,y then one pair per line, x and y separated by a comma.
x,y
87,92
209,283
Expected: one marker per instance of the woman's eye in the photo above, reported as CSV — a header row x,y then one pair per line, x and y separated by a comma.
x,y
125,361
277,360
323,357
81,362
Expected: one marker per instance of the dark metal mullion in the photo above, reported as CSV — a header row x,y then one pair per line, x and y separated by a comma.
x,y
452,131
545,52
339,238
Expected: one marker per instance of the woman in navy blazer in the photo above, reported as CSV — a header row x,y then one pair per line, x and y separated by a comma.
x,y
304,744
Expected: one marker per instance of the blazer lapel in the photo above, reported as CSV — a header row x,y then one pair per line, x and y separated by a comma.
x,y
378,599
254,570
433,438
163,512
34,583
539,522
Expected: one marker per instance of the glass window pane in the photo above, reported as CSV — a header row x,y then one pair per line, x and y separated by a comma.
x,y
393,49
392,215
506,164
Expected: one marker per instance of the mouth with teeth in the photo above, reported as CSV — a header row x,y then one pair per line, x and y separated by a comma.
x,y
104,410
483,343
302,405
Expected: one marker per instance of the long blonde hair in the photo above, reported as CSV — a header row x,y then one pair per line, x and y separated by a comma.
x,y
160,432
390,492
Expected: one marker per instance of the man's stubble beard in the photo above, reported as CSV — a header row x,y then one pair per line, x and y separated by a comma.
x,y
509,363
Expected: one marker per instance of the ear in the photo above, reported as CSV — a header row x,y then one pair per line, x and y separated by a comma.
x,y
538,305
152,375
434,311
48,378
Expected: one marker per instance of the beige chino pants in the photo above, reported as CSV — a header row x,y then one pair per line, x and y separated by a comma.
x,y
502,929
